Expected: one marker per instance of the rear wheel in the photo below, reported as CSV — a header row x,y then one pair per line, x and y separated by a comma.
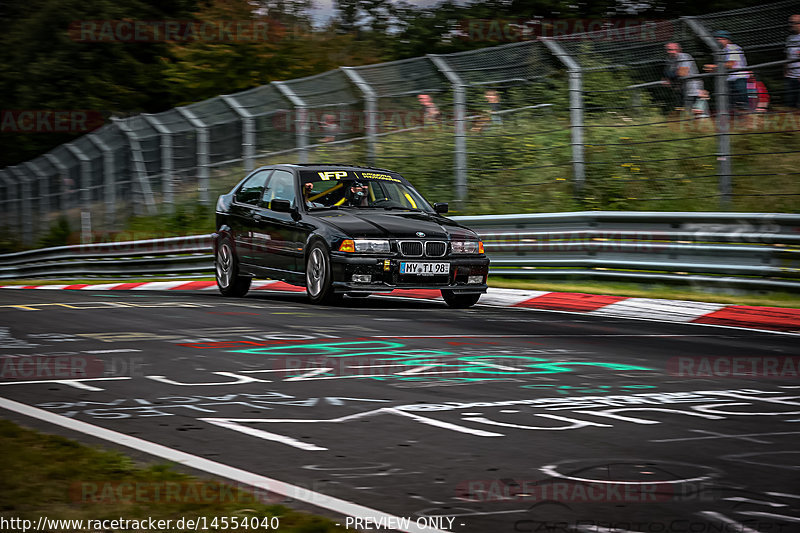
x,y
226,267
319,283
460,301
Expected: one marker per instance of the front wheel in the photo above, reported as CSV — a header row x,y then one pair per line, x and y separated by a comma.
x,y
460,301
226,268
319,283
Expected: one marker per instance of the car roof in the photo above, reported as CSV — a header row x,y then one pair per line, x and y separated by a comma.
x,y
320,166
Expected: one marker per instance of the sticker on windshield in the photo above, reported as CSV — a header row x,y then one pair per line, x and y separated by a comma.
x,y
332,174
374,176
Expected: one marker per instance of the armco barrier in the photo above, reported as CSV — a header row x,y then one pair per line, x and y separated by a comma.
x,y
748,250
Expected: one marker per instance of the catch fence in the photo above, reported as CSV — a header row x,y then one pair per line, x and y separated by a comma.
x,y
581,121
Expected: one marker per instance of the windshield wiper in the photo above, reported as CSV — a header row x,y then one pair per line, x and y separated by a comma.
x,y
318,207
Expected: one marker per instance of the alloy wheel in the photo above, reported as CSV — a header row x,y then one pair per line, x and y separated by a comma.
x,y
224,264
315,273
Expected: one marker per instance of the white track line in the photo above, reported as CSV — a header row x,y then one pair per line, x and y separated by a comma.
x,y
302,494
738,527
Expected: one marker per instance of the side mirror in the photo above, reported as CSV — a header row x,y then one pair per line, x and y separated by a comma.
x,y
441,207
281,206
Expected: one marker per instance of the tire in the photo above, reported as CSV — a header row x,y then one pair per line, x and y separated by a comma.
x,y
460,301
226,268
319,283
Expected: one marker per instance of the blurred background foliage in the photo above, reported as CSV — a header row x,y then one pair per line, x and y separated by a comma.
x,y
43,68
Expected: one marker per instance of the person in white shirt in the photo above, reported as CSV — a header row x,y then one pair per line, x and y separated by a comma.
x,y
679,66
792,71
734,59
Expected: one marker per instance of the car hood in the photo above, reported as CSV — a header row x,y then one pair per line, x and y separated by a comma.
x,y
395,224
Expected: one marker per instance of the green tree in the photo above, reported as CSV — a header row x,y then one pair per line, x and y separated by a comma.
x,y
45,67
199,70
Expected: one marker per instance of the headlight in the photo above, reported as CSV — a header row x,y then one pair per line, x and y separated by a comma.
x,y
466,247
367,246
372,246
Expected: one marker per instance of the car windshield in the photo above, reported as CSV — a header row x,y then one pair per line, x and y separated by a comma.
x,y
362,194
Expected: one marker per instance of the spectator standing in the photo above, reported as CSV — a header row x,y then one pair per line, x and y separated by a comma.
x,y
493,97
679,66
734,59
431,112
758,95
793,69
329,127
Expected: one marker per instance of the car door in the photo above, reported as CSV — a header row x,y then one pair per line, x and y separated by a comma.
x,y
278,247
246,204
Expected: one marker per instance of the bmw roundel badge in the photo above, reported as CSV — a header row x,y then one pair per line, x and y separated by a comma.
x,y
420,234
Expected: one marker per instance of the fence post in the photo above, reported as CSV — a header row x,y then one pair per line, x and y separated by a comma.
x,y
460,118
7,201
301,122
109,185
63,174
203,152
167,167
248,132
370,108
26,213
139,170
575,111
723,111
44,197
85,198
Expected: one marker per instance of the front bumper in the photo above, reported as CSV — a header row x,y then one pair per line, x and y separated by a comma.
x,y
386,276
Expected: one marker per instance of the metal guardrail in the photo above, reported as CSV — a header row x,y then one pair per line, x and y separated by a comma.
x,y
749,250
152,257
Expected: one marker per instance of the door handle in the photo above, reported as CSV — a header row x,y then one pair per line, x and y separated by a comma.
x,y
256,216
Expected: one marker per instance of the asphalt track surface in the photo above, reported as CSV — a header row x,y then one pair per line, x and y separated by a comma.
x,y
488,419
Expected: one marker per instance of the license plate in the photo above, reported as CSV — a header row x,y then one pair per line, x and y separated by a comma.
x,y
425,269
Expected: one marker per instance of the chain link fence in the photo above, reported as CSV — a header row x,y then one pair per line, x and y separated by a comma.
x,y
581,121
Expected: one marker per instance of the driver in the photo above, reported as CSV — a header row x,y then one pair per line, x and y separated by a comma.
x,y
357,194
308,189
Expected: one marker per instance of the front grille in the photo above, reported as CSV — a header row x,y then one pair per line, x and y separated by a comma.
x,y
411,248
435,248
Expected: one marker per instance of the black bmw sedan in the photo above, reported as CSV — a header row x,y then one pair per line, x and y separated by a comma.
x,y
338,229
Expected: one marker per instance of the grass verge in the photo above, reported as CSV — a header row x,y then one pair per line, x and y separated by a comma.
x,y
55,477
